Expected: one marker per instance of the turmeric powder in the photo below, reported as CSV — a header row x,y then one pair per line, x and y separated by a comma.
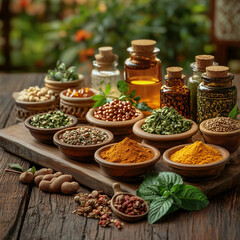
x,y
127,151
196,154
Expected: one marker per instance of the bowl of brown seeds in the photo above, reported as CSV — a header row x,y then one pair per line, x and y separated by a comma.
x,y
222,131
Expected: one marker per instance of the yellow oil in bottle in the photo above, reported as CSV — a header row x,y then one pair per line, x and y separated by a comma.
x,y
143,72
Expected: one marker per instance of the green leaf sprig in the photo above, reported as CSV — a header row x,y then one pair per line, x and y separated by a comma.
x,y
123,88
166,193
19,168
234,112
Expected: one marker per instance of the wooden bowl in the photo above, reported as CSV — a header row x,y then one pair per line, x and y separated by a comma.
x,y
130,218
24,109
228,140
45,135
196,172
126,171
164,141
116,127
77,107
80,153
57,86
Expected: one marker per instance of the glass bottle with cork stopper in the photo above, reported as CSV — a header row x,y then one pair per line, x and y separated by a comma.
x,y
216,96
105,70
143,71
175,94
198,67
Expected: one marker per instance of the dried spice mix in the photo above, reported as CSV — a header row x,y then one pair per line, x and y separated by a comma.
x,y
78,93
83,136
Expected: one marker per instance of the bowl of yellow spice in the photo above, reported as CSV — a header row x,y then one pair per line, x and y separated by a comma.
x,y
126,160
197,161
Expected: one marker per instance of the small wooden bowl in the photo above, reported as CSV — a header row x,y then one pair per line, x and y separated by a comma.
x,y
57,86
196,172
24,109
228,140
116,127
164,141
77,152
126,171
45,135
77,107
130,218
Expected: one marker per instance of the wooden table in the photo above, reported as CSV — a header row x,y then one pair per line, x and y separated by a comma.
x,y
27,213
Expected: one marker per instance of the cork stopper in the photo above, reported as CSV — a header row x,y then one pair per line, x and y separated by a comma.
x,y
106,56
204,61
217,71
143,45
174,72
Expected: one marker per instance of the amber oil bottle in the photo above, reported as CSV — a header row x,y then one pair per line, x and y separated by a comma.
x,y
143,71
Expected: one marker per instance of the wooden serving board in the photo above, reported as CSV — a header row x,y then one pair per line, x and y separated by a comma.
x,y
18,140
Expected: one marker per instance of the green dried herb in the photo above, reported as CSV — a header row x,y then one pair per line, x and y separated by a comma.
x,y
166,121
54,119
62,74
123,88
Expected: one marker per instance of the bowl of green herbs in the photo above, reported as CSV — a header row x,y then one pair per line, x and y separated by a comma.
x,y
165,128
43,126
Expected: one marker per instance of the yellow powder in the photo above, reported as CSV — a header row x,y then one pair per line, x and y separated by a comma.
x,y
196,154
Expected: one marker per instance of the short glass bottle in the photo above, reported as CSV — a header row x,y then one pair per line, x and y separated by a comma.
x,y
105,71
216,96
192,84
175,94
143,71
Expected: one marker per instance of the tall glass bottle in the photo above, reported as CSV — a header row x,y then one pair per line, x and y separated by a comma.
x,y
198,67
175,94
143,71
105,70
216,96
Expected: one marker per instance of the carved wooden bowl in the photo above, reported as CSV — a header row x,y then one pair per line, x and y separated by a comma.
x,y
57,86
77,107
23,109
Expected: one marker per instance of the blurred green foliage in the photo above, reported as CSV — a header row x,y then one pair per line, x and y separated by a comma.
x,y
181,29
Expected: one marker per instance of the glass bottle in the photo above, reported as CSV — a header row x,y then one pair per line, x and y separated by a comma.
x,y
216,96
143,71
198,67
105,71
175,94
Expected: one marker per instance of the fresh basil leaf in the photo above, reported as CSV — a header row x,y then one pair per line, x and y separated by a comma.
x,y
107,89
16,166
143,107
137,98
100,102
133,93
173,208
96,97
122,86
233,111
159,208
169,179
189,197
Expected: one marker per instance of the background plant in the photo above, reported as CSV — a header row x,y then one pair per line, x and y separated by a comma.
x,y
44,31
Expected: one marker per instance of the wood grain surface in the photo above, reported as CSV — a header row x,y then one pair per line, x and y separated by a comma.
x,y
27,213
